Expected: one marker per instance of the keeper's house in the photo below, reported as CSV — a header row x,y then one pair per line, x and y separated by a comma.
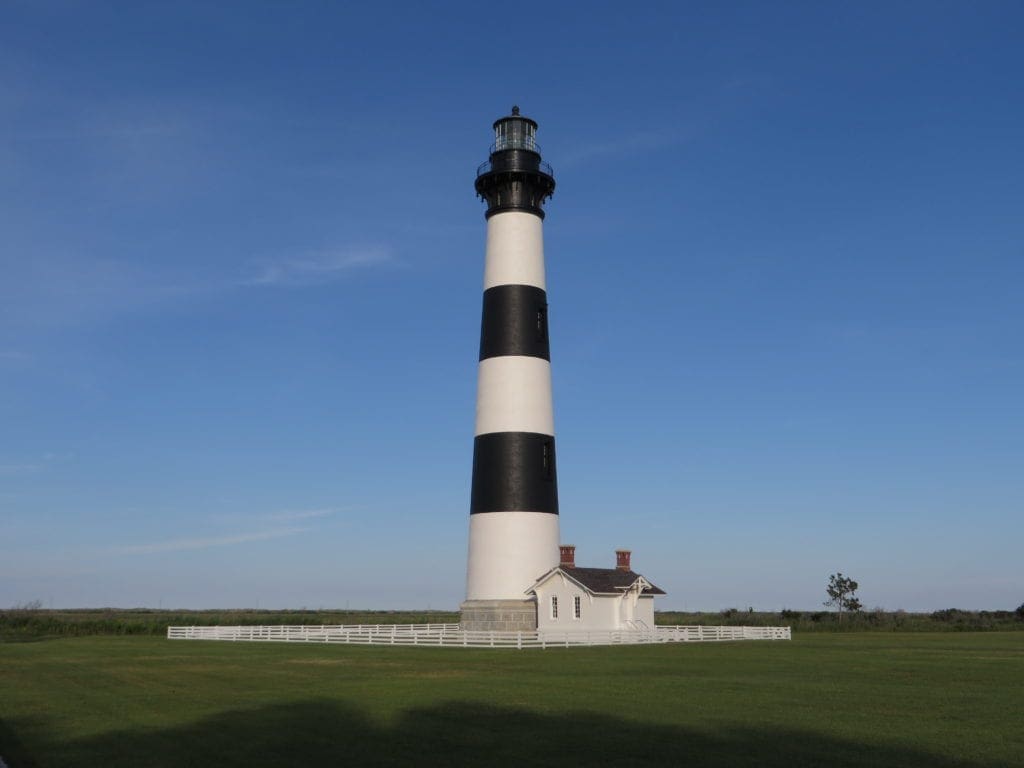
x,y
571,598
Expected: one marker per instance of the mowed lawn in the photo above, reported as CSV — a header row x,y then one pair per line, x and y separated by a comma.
x,y
937,699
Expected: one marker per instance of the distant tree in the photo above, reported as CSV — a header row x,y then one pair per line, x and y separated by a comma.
x,y
1020,611
841,592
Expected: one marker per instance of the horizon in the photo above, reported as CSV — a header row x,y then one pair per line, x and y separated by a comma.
x,y
242,259
305,609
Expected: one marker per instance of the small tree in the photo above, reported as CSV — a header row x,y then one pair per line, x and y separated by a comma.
x,y
841,593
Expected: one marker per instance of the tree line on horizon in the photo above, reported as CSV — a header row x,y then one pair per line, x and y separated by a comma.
x,y
33,622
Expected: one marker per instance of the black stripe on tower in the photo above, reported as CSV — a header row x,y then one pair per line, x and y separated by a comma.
x,y
515,180
514,471
515,322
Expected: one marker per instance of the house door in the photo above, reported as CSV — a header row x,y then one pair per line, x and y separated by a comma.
x,y
627,610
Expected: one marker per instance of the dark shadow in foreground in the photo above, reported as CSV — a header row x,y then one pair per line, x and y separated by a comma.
x,y
456,734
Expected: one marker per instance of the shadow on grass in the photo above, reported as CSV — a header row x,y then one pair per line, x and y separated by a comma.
x,y
26,638
455,734
11,748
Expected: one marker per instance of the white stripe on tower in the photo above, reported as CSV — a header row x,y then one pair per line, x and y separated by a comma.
x,y
513,534
515,250
514,395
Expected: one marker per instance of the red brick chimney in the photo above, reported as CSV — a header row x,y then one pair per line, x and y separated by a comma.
x,y
622,559
567,557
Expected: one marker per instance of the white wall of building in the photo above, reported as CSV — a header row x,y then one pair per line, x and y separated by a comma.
x,y
514,395
508,551
597,612
515,250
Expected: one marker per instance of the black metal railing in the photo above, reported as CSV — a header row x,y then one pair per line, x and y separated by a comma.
x,y
485,167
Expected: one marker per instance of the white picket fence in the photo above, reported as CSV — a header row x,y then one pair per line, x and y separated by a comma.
x,y
452,636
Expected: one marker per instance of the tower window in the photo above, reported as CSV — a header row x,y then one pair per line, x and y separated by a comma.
x,y
554,606
549,460
542,323
577,607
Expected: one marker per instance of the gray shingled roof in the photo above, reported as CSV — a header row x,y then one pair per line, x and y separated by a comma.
x,y
607,580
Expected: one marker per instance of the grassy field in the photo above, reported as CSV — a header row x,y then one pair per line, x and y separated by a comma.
x,y
937,700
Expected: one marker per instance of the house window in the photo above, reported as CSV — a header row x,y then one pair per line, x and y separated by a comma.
x,y
577,608
554,606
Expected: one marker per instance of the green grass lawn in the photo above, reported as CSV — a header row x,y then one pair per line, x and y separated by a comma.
x,y
954,699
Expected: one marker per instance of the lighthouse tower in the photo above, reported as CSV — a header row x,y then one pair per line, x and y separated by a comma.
x,y
513,524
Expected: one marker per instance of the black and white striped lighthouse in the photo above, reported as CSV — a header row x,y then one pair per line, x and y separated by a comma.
x,y
513,529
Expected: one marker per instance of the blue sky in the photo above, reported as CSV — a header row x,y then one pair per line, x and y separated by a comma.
x,y
240,280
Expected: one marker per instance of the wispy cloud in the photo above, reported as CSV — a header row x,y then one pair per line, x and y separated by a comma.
x,y
299,514
318,267
18,469
34,465
181,545
134,131
49,290
635,143
61,289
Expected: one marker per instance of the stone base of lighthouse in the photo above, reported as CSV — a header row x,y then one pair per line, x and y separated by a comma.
x,y
498,616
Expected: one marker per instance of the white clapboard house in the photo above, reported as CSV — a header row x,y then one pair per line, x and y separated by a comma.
x,y
570,598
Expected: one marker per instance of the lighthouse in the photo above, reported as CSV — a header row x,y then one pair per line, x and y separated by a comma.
x,y
513,523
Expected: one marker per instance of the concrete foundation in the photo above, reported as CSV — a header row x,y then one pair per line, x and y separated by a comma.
x,y
498,616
